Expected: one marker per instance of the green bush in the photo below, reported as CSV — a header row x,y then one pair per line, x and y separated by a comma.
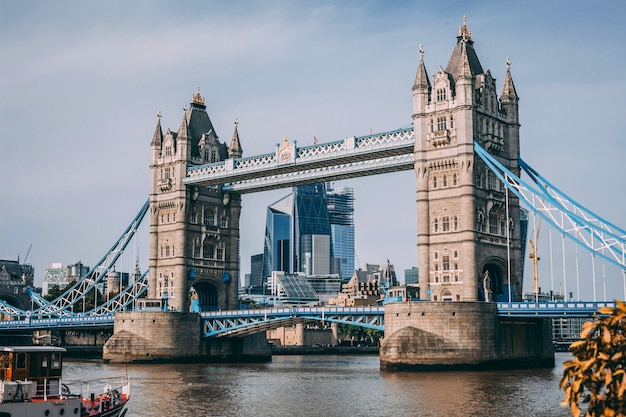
x,y
595,377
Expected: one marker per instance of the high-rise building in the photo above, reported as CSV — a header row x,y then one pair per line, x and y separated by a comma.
x,y
311,231
256,274
340,203
411,276
278,237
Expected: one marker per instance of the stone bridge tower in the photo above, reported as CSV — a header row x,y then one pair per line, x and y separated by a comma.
x,y
194,231
465,220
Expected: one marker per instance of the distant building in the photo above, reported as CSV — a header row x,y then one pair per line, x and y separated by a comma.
x,y
15,281
291,288
62,276
340,203
311,231
367,287
278,237
411,276
256,283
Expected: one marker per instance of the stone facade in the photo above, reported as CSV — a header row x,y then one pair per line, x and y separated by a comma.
x,y
15,281
303,334
465,219
194,231
461,335
143,336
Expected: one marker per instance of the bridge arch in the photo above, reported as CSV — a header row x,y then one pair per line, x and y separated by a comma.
x,y
16,301
211,294
493,277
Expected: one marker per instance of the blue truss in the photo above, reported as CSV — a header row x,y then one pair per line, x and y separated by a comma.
x,y
597,236
62,306
243,322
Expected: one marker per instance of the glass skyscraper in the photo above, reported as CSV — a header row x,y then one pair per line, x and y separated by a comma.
x,y
311,231
340,203
278,237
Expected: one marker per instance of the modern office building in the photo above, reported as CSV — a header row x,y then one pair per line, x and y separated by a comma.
x,y
278,237
311,231
340,203
255,283
411,276
62,276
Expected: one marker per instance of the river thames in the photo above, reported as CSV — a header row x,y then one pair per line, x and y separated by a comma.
x,y
329,385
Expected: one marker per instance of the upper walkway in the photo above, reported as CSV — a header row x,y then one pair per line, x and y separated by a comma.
x,y
290,165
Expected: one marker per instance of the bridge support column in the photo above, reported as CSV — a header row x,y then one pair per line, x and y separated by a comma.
x,y
155,336
461,335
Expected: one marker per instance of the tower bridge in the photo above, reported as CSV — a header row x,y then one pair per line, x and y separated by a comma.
x,y
463,143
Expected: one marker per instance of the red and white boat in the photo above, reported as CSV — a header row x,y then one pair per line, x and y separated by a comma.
x,y
32,386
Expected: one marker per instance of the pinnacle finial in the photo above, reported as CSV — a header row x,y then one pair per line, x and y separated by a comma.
x,y
508,63
197,98
236,122
421,50
159,114
465,33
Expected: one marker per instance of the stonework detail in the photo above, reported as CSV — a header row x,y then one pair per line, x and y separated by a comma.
x,y
462,206
194,231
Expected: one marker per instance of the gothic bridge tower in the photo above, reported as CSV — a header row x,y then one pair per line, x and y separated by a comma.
x,y
468,231
194,231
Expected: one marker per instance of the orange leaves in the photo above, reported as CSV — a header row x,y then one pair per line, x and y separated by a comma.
x,y
596,376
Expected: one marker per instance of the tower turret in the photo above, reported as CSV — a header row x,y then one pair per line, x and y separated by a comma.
x,y
194,231
234,150
421,86
462,209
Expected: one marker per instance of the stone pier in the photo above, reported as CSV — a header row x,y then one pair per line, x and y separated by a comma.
x,y
461,336
155,336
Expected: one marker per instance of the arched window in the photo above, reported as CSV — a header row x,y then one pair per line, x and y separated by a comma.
x,y
436,225
445,180
445,225
454,179
434,181
455,223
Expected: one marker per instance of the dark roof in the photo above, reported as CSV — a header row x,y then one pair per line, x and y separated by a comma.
x,y
457,57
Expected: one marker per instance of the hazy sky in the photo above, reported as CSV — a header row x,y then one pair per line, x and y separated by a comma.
x,y
81,84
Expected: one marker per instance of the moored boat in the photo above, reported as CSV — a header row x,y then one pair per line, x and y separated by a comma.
x,y
32,386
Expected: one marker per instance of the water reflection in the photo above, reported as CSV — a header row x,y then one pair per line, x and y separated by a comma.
x,y
330,386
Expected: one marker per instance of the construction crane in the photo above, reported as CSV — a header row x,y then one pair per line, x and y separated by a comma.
x,y
535,258
25,257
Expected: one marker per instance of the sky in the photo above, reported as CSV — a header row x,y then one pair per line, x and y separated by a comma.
x,y
81,84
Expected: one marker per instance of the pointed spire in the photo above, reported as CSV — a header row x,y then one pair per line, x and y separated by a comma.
x,y
157,138
183,130
465,68
464,58
421,78
464,32
234,150
508,89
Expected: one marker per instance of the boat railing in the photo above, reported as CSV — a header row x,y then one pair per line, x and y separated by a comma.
x,y
116,387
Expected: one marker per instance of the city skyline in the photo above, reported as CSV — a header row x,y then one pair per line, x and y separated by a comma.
x,y
311,230
83,85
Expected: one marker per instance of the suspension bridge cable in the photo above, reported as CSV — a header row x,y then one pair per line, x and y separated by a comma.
x,y
551,265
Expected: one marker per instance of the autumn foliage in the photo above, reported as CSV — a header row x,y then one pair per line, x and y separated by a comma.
x,y
594,381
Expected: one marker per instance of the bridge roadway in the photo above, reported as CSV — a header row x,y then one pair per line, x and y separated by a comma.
x,y
243,322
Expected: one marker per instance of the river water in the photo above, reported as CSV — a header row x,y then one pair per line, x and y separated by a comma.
x,y
329,385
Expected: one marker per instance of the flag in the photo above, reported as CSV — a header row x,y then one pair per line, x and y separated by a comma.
x,y
314,140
